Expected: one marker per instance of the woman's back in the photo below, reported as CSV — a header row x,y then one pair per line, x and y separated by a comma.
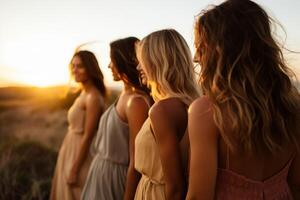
x,y
253,176
257,175
258,165
236,173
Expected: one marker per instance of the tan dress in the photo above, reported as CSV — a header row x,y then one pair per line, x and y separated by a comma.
x,y
67,155
148,163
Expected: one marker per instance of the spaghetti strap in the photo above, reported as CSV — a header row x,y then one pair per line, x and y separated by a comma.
x,y
144,98
291,159
227,158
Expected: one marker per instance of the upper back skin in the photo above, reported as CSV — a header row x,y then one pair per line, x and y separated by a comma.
x,y
257,166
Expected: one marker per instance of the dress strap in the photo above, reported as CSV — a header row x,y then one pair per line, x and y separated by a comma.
x,y
145,99
227,157
291,159
116,101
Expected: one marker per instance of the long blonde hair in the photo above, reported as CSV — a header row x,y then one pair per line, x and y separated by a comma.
x,y
168,62
244,73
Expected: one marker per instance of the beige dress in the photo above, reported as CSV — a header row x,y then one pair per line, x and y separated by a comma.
x,y
148,163
68,153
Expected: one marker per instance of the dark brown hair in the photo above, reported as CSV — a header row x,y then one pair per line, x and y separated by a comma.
x,y
91,65
123,55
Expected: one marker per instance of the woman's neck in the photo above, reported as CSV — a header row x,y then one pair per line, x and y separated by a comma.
x,y
129,88
87,86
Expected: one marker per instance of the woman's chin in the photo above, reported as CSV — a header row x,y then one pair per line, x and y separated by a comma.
x,y
143,79
81,79
144,82
77,80
116,78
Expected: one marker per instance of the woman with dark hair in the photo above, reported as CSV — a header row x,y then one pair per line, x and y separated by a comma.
x,y
245,130
74,157
112,170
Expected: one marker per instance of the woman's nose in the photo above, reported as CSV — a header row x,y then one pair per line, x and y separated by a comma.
x,y
196,58
74,69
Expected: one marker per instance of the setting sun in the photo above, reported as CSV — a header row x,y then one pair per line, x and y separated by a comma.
x,y
37,65
47,66
38,38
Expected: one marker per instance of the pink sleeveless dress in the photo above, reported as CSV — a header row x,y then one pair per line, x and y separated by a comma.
x,y
233,186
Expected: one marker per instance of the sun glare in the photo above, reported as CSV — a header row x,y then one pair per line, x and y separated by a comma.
x,y
32,66
29,65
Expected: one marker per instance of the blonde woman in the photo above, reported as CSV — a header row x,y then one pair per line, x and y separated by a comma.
x,y
245,131
161,146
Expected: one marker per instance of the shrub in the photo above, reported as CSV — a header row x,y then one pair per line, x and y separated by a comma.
x,y
26,170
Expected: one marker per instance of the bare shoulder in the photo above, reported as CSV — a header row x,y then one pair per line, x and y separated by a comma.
x,y
170,111
94,98
200,119
202,105
137,103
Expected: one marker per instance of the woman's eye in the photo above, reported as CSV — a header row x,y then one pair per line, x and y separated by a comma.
x,y
77,65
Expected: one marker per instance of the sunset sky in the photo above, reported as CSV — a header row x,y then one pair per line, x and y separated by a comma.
x,y
38,37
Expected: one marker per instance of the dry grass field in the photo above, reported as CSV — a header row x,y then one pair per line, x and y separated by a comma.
x,y
33,123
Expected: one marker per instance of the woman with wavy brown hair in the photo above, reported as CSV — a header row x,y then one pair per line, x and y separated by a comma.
x,y
112,174
244,132
74,157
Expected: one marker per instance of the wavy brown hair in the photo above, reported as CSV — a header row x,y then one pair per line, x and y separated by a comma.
x,y
94,72
244,72
123,55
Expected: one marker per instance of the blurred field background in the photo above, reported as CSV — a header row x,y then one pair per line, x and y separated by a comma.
x,y
33,123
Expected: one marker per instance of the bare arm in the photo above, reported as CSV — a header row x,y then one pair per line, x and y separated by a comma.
x,y
203,143
94,109
165,122
294,177
294,172
137,113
